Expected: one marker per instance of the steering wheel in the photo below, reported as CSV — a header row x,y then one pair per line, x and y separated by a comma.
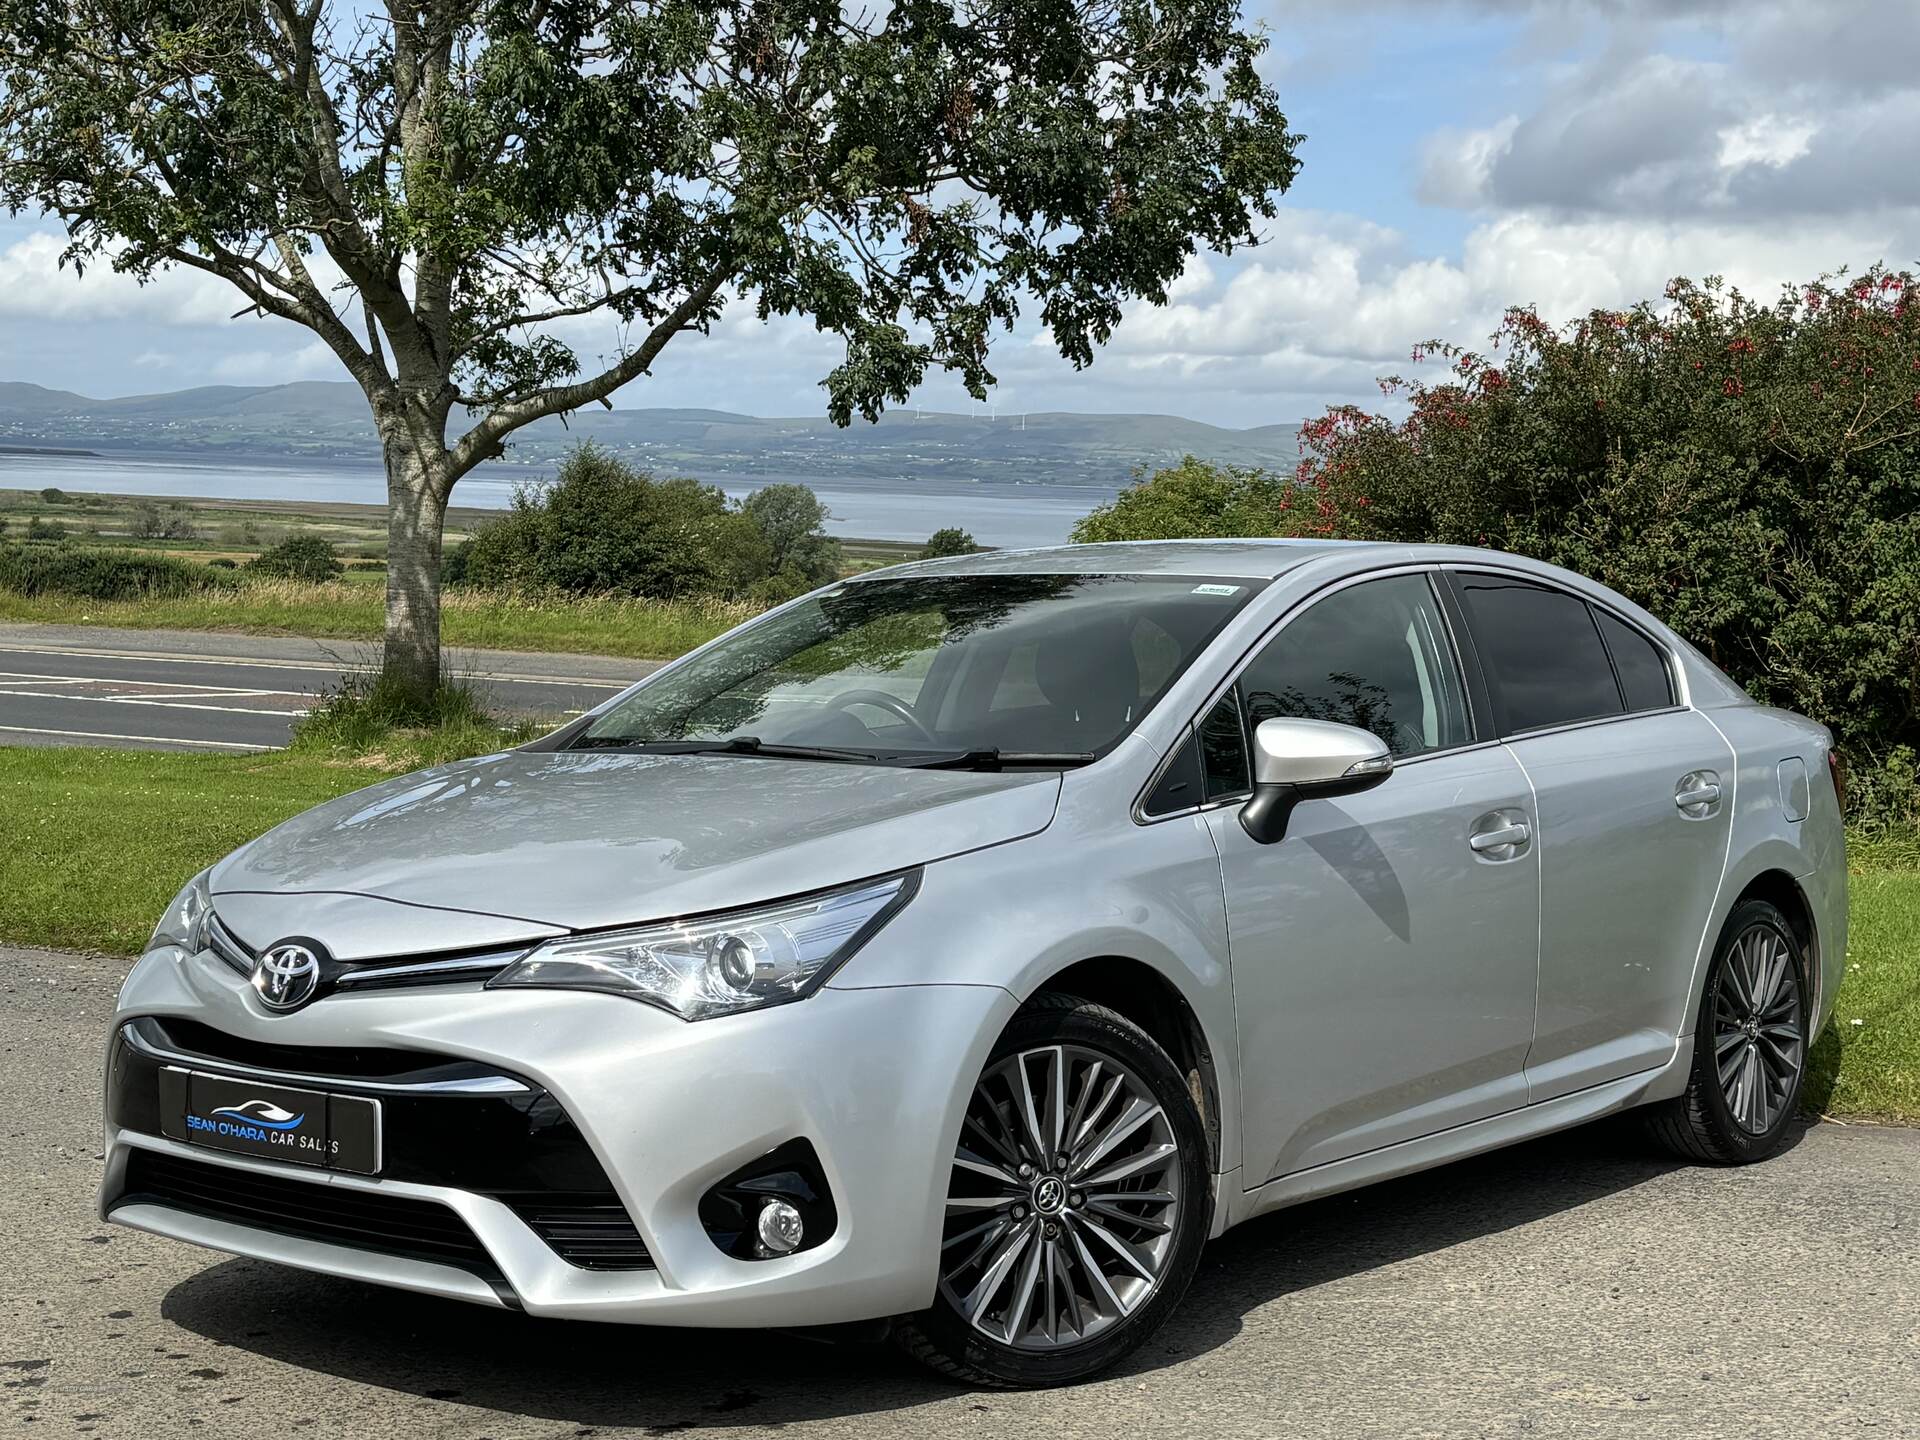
x,y
881,700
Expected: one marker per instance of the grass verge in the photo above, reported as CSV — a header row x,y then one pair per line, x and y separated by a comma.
x,y
471,619
1867,1064
99,840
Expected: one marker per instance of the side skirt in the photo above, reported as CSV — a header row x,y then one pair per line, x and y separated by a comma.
x,y
1475,1138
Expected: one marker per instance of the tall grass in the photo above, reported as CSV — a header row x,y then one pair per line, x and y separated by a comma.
x,y
344,609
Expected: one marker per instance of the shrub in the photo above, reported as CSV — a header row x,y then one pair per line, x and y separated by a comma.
x,y
950,541
150,522
299,557
39,529
1191,499
222,563
55,497
1748,472
102,574
605,527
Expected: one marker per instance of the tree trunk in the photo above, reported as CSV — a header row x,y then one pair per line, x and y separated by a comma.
x,y
416,511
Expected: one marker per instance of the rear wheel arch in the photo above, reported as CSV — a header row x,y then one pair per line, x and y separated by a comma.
x,y
1144,995
1783,892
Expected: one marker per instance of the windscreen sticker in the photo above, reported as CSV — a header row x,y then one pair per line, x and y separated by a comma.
x,y
1216,589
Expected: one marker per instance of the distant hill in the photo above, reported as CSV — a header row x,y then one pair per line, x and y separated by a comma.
x,y
328,420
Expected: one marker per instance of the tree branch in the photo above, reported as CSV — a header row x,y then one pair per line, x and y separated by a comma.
x,y
483,440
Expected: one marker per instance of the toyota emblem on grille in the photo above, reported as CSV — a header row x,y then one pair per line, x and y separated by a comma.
x,y
287,974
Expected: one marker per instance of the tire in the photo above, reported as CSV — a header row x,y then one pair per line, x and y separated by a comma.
x,y
1749,1049
1073,1296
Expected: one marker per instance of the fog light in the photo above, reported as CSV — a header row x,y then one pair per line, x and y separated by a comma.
x,y
781,1228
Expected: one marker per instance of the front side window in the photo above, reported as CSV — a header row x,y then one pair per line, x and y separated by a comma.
x,y
1375,656
1544,659
916,669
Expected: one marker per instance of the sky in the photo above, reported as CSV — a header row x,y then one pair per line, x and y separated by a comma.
x,y
1461,156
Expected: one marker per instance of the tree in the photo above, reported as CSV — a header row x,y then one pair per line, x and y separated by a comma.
x,y
1190,500
603,527
791,519
1748,471
951,540
430,186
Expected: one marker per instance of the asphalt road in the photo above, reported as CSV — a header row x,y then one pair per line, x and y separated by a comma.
x,y
170,689
1576,1286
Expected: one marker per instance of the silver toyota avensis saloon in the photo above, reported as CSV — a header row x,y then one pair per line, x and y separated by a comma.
x,y
968,942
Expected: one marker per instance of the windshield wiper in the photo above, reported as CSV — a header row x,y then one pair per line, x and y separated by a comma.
x,y
734,745
997,759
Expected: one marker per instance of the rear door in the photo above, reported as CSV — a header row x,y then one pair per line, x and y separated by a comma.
x,y
1384,952
1634,794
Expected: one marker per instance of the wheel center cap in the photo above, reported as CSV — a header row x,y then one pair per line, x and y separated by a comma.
x,y
1752,1027
1050,1195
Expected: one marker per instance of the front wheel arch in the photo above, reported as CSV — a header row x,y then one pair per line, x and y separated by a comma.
x,y
1150,1000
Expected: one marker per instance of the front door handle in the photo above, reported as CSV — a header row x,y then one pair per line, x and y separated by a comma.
x,y
1500,835
1697,793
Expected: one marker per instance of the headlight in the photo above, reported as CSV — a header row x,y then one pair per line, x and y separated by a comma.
x,y
185,923
723,964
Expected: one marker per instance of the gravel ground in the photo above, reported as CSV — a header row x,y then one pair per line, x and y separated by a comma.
x,y
1574,1286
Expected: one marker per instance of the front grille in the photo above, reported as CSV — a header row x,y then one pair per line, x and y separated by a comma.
x,y
201,1044
591,1231
337,1214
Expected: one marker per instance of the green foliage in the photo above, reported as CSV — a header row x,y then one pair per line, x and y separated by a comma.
x,y
150,522
906,176
951,540
1191,499
1748,472
55,497
43,529
303,556
33,570
800,555
604,527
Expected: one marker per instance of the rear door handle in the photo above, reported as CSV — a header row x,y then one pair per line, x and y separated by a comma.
x,y
1510,836
1697,793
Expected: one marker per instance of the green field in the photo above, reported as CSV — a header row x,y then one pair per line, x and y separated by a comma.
x,y
346,610
99,840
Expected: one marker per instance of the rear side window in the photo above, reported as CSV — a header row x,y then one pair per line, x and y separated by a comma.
x,y
1638,662
1544,659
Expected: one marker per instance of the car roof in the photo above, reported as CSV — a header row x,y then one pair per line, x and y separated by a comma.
x,y
1236,559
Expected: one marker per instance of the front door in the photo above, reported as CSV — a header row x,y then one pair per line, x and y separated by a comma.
x,y
1384,952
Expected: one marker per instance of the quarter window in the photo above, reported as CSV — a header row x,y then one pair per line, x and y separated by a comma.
x,y
1638,662
1374,655
1544,659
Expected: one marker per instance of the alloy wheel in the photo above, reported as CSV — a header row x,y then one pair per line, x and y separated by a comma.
x,y
1759,1045
1064,1201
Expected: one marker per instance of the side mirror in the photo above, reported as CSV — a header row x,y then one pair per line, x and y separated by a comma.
x,y
1295,760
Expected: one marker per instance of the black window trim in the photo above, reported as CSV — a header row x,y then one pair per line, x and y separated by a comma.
x,y
1452,570
1482,731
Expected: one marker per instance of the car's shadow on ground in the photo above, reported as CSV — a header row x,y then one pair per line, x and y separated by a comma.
x,y
671,1380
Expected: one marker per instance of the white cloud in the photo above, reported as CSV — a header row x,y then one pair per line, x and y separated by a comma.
x,y
1769,140
313,361
35,285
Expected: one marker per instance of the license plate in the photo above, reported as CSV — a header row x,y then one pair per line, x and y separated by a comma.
x,y
271,1122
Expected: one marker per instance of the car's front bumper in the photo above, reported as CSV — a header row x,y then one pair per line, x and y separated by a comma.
x,y
875,1079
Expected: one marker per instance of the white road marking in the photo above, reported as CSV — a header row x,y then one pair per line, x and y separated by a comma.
x,y
8,677
162,704
141,739
504,676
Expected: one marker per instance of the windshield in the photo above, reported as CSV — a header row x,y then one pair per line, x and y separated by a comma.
x,y
1002,669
